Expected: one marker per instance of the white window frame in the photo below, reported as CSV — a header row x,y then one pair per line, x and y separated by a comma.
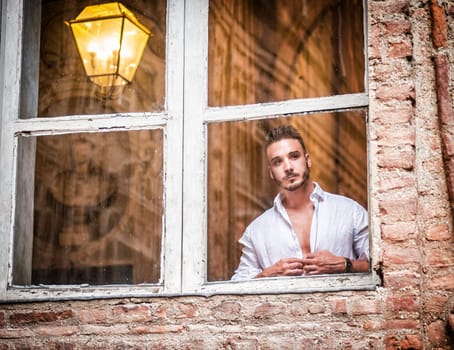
x,y
11,127
184,262
197,115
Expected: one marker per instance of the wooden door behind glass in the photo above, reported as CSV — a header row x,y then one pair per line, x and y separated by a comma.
x,y
271,51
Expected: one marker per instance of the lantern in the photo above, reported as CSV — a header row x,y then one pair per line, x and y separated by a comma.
x,y
110,41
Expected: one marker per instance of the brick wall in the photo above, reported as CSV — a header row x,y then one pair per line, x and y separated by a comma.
x,y
411,56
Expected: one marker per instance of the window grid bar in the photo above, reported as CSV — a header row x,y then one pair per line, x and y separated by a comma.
x,y
51,126
308,105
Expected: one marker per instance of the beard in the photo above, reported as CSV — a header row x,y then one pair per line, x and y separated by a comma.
x,y
294,185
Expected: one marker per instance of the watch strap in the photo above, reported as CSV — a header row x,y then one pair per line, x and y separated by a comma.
x,y
348,265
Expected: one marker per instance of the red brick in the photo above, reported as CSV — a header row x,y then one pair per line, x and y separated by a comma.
x,y
399,255
396,136
399,231
396,180
401,279
406,342
188,310
441,282
404,208
161,312
432,208
440,257
111,329
339,306
371,325
438,232
436,332
439,25
395,92
57,331
435,305
402,303
401,114
298,308
374,42
365,307
131,313
267,310
397,27
386,8
316,308
400,157
15,333
227,310
401,324
400,50
93,315
412,341
391,70
442,72
392,342
36,317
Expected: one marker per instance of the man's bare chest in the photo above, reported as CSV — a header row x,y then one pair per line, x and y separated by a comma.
x,y
301,221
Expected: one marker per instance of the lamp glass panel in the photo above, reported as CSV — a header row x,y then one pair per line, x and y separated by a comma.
x,y
133,43
101,10
99,45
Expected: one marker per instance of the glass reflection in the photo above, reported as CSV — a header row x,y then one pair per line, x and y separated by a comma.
x,y
97,208
239,186
271,50
60,86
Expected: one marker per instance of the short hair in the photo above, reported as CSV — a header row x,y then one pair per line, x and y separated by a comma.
x,y
284,132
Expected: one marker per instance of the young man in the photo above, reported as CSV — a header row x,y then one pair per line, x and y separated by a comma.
x,y
308,231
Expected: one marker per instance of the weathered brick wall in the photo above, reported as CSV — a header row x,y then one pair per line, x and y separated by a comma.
x,y
411,222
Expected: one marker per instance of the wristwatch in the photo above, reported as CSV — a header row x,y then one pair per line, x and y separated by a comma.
x,y
348,265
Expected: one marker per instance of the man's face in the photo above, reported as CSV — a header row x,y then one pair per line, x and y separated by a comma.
x,y
288,163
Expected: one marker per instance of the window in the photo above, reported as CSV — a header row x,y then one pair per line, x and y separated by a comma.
x,y
236,164
145,188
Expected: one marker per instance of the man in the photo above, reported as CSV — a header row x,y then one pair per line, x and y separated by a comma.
x,y
308,231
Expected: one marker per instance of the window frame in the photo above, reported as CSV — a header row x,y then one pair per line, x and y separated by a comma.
x,y
12,127
195,254
184,123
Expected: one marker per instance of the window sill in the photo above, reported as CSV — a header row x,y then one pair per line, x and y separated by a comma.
x,y
21,294
306,284
278,285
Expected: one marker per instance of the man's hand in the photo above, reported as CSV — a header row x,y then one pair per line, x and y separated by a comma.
x,y
323,262
284,267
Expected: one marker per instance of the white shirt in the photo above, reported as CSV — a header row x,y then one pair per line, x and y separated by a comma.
x,y
339,225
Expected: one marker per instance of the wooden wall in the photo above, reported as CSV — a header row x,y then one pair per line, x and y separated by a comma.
x,y
266,51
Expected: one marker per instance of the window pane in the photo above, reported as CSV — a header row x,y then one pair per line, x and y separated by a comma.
x,y
54,82
271,50
239,185
98,207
